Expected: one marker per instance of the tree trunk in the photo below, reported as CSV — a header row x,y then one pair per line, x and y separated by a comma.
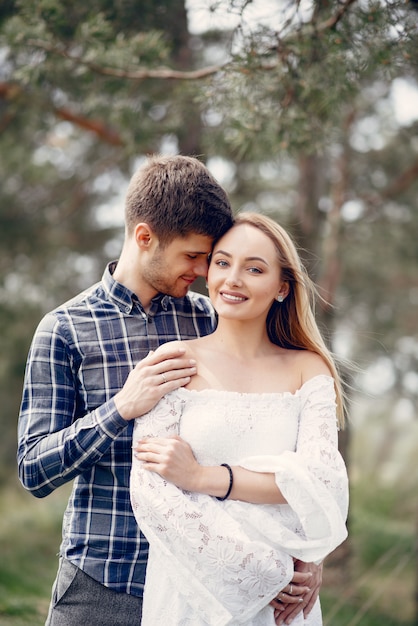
x,y
190,133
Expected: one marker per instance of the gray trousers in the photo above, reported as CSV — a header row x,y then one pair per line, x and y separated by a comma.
x,y
79,600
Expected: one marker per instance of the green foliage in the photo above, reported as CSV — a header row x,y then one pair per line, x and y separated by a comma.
x,y
301,115
29,538
73,57
30,535
292,91
375,539
382,524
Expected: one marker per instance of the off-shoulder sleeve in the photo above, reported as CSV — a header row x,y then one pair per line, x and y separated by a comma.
x,y
313,480
227,574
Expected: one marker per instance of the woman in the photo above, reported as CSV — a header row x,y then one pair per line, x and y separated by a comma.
x,y
238,473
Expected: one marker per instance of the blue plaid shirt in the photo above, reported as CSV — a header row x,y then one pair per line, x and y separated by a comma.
x,y
69,427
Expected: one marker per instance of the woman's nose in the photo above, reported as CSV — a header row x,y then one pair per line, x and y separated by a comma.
x,y
233,280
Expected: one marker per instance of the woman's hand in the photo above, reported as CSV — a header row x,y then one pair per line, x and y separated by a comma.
x,y
170,457
300,595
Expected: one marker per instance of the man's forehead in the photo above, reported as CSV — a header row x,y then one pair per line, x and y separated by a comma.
x,y
194,243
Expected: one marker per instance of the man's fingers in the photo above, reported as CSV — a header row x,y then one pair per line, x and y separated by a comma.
x,y
153,377
171,372
153,358
291,601
304,588
287,615
166,369
311,599
296,590
293,592
301,578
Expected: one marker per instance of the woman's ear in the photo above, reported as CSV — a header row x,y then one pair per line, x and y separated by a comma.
x,y
283,292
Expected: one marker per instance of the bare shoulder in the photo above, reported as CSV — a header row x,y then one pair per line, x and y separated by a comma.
x,y
311,364
184,348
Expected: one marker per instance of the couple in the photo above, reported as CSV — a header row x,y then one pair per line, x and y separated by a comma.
x,y
94,367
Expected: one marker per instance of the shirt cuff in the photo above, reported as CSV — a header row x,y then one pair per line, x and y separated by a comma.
x,y
108,418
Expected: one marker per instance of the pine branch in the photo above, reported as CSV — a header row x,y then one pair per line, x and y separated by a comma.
x,y
400,184
334,19
12,91
139,74
95,126
166,73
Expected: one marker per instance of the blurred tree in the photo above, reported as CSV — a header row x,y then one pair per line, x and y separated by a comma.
x,y
85,89
292,101
69,135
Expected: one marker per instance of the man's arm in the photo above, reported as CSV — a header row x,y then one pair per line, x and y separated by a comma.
x,y
56,441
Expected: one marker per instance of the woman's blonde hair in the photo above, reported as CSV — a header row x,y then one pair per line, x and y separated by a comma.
x,y
291,324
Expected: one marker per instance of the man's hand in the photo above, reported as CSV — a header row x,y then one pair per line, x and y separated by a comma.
x,y
153,377
304,589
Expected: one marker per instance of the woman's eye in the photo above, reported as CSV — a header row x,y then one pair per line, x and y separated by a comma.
x,y
255,270
221,263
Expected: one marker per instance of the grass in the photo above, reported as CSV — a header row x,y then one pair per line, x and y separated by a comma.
x,y
374,586
30,534
378,586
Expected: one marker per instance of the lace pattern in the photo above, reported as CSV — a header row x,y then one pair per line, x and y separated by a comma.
x,y
218,563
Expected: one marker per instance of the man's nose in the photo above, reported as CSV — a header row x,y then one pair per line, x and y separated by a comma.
x,y
201,267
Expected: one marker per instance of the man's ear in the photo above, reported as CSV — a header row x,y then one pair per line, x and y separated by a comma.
x,y
144,235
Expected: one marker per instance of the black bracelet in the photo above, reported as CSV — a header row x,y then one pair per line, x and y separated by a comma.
x,y
231,482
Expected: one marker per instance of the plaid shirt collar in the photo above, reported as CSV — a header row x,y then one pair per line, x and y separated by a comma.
x,y
124,298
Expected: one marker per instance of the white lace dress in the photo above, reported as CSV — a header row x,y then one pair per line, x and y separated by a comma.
x,y
215,563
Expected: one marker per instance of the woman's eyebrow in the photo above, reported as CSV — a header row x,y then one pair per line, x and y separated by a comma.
x,y
248,258
222,252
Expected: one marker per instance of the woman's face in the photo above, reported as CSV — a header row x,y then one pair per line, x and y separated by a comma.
x,y
244,274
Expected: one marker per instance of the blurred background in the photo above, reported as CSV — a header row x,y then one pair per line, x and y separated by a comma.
x,y
306,111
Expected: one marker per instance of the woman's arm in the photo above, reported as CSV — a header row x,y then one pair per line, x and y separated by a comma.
x,y
312,479
173,459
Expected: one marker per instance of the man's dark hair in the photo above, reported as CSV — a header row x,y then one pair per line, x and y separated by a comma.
x,y
176,196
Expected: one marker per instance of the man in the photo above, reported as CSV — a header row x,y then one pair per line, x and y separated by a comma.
x,y
91,370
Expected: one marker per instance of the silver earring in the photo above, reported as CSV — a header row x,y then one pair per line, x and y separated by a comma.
x,y
280,298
